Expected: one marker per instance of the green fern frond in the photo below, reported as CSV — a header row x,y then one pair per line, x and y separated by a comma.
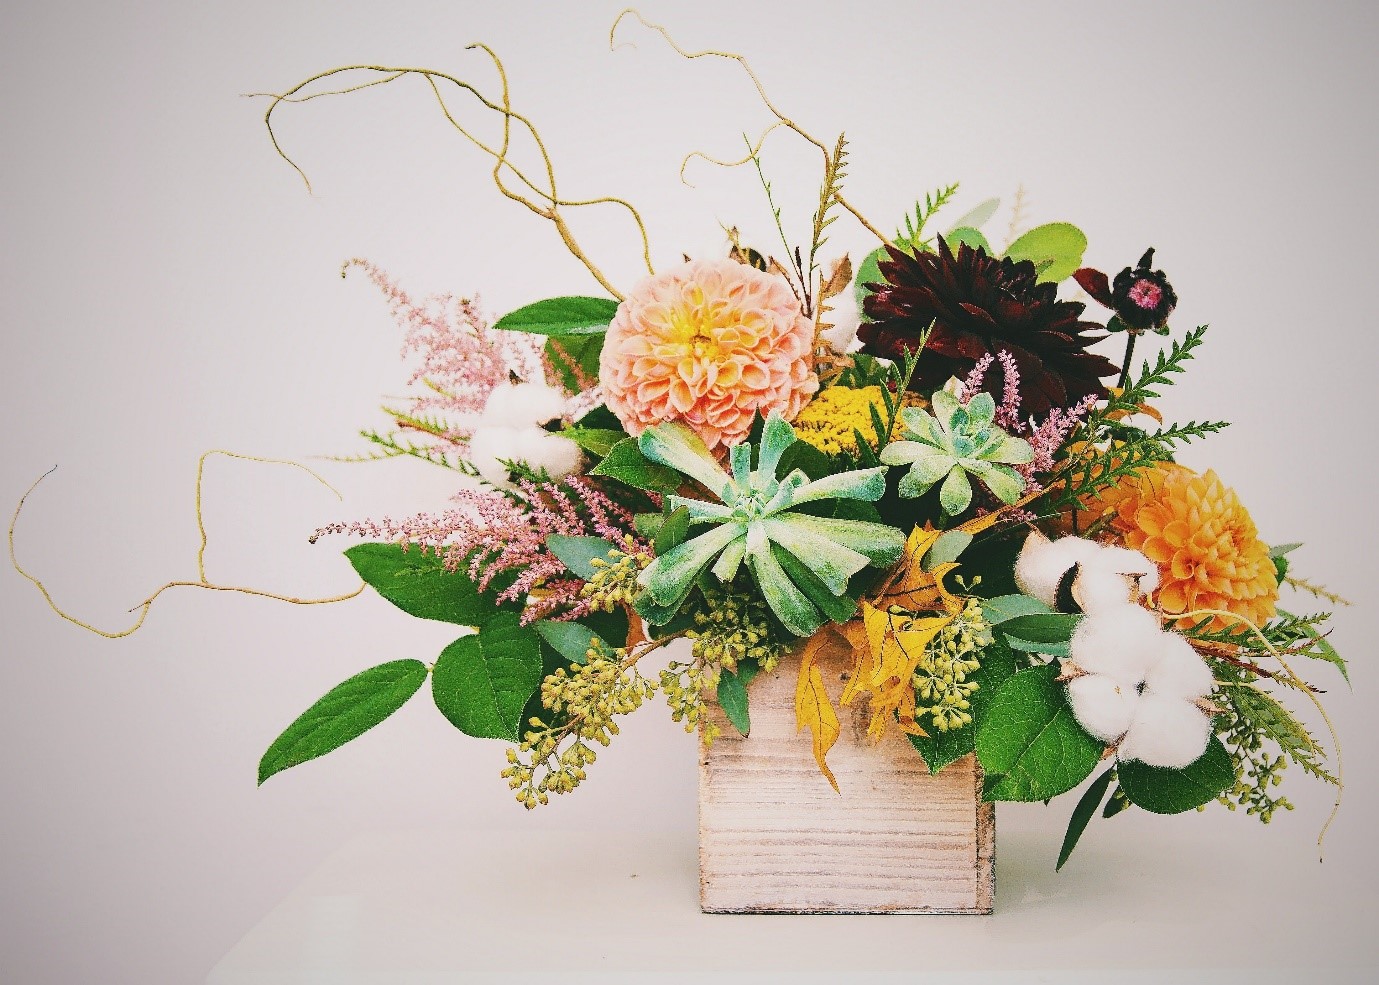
x,y
913,235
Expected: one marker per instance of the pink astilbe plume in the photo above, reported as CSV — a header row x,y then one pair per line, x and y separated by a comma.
x,y
458,357
492,535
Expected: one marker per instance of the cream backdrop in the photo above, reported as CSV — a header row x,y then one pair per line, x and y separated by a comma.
x,y
168,286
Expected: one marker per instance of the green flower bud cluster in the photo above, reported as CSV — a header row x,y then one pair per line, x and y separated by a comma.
x,y
588,697
615,582
731,626
683,685
941,685
1255,772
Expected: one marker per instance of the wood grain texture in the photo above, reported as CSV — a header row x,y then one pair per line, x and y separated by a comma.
x,y
775,838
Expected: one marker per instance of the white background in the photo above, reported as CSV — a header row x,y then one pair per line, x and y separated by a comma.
x,y
168,286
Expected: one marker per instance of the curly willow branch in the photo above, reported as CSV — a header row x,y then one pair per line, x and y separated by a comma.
x,y
784,120
203,582
1298,683
753,151
545,201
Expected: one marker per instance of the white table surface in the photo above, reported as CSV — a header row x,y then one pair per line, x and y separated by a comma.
x,y
432,906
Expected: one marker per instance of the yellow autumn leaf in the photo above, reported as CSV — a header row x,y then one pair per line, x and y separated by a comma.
x,y
813,709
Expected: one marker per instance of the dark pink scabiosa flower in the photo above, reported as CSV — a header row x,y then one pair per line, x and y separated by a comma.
x,y
1141,296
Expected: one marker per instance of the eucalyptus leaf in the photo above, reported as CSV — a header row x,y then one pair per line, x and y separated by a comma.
x,y
672,532
345,712
969,236
1004,608
579,553
1060,245
570,639
978,216
1046,627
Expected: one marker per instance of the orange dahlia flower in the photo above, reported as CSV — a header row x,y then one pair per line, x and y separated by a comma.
x,y
711,343
1205,544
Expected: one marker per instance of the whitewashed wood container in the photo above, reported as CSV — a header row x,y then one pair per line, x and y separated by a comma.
x,y
774,837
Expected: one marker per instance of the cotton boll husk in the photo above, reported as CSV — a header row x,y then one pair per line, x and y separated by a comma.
x,y
1178,671
517,404
539,449
1102,706
843,318
1167,732
1121,643
486,447
1043,563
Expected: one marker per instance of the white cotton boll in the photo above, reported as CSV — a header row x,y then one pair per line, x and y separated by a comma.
x,y
1098,590
539,449
1123,561
486,447
1102,706
1167,732
515,405
1121,643
1178,671
1043,563
843,318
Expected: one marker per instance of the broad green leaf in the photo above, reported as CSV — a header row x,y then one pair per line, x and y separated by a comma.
x,y
578,553
732,698
1047,627
575,358
628,465
978,216
1058,244
1165,791
1004,608
972,237
1029,744
941,748
570,639
561,316
673,532
345,712
416,581
596,441
482,682
1082,813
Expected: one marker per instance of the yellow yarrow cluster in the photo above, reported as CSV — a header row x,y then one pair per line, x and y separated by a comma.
x,y
829,421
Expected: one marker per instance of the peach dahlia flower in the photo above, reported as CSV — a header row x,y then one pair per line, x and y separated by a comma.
x,y
711,343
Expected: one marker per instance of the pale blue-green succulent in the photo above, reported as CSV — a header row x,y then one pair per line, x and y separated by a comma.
x,y
954,442
755,513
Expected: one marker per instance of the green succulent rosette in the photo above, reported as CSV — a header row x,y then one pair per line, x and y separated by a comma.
x,y
801,562
953,443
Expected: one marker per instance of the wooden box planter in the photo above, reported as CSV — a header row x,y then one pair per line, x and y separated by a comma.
x,y
775,838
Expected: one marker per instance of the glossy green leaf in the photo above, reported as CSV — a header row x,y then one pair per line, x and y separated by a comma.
x,y
732,698
345,712
1166,791
482,682
628,465
579,553
868,272
575,359
416,581
1058,244
1082,813
948,547
1029,744
561,316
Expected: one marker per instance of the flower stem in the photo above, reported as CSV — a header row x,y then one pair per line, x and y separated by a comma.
x,y
1130,336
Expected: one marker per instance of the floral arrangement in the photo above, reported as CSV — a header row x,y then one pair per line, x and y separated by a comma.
x,y
946,466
